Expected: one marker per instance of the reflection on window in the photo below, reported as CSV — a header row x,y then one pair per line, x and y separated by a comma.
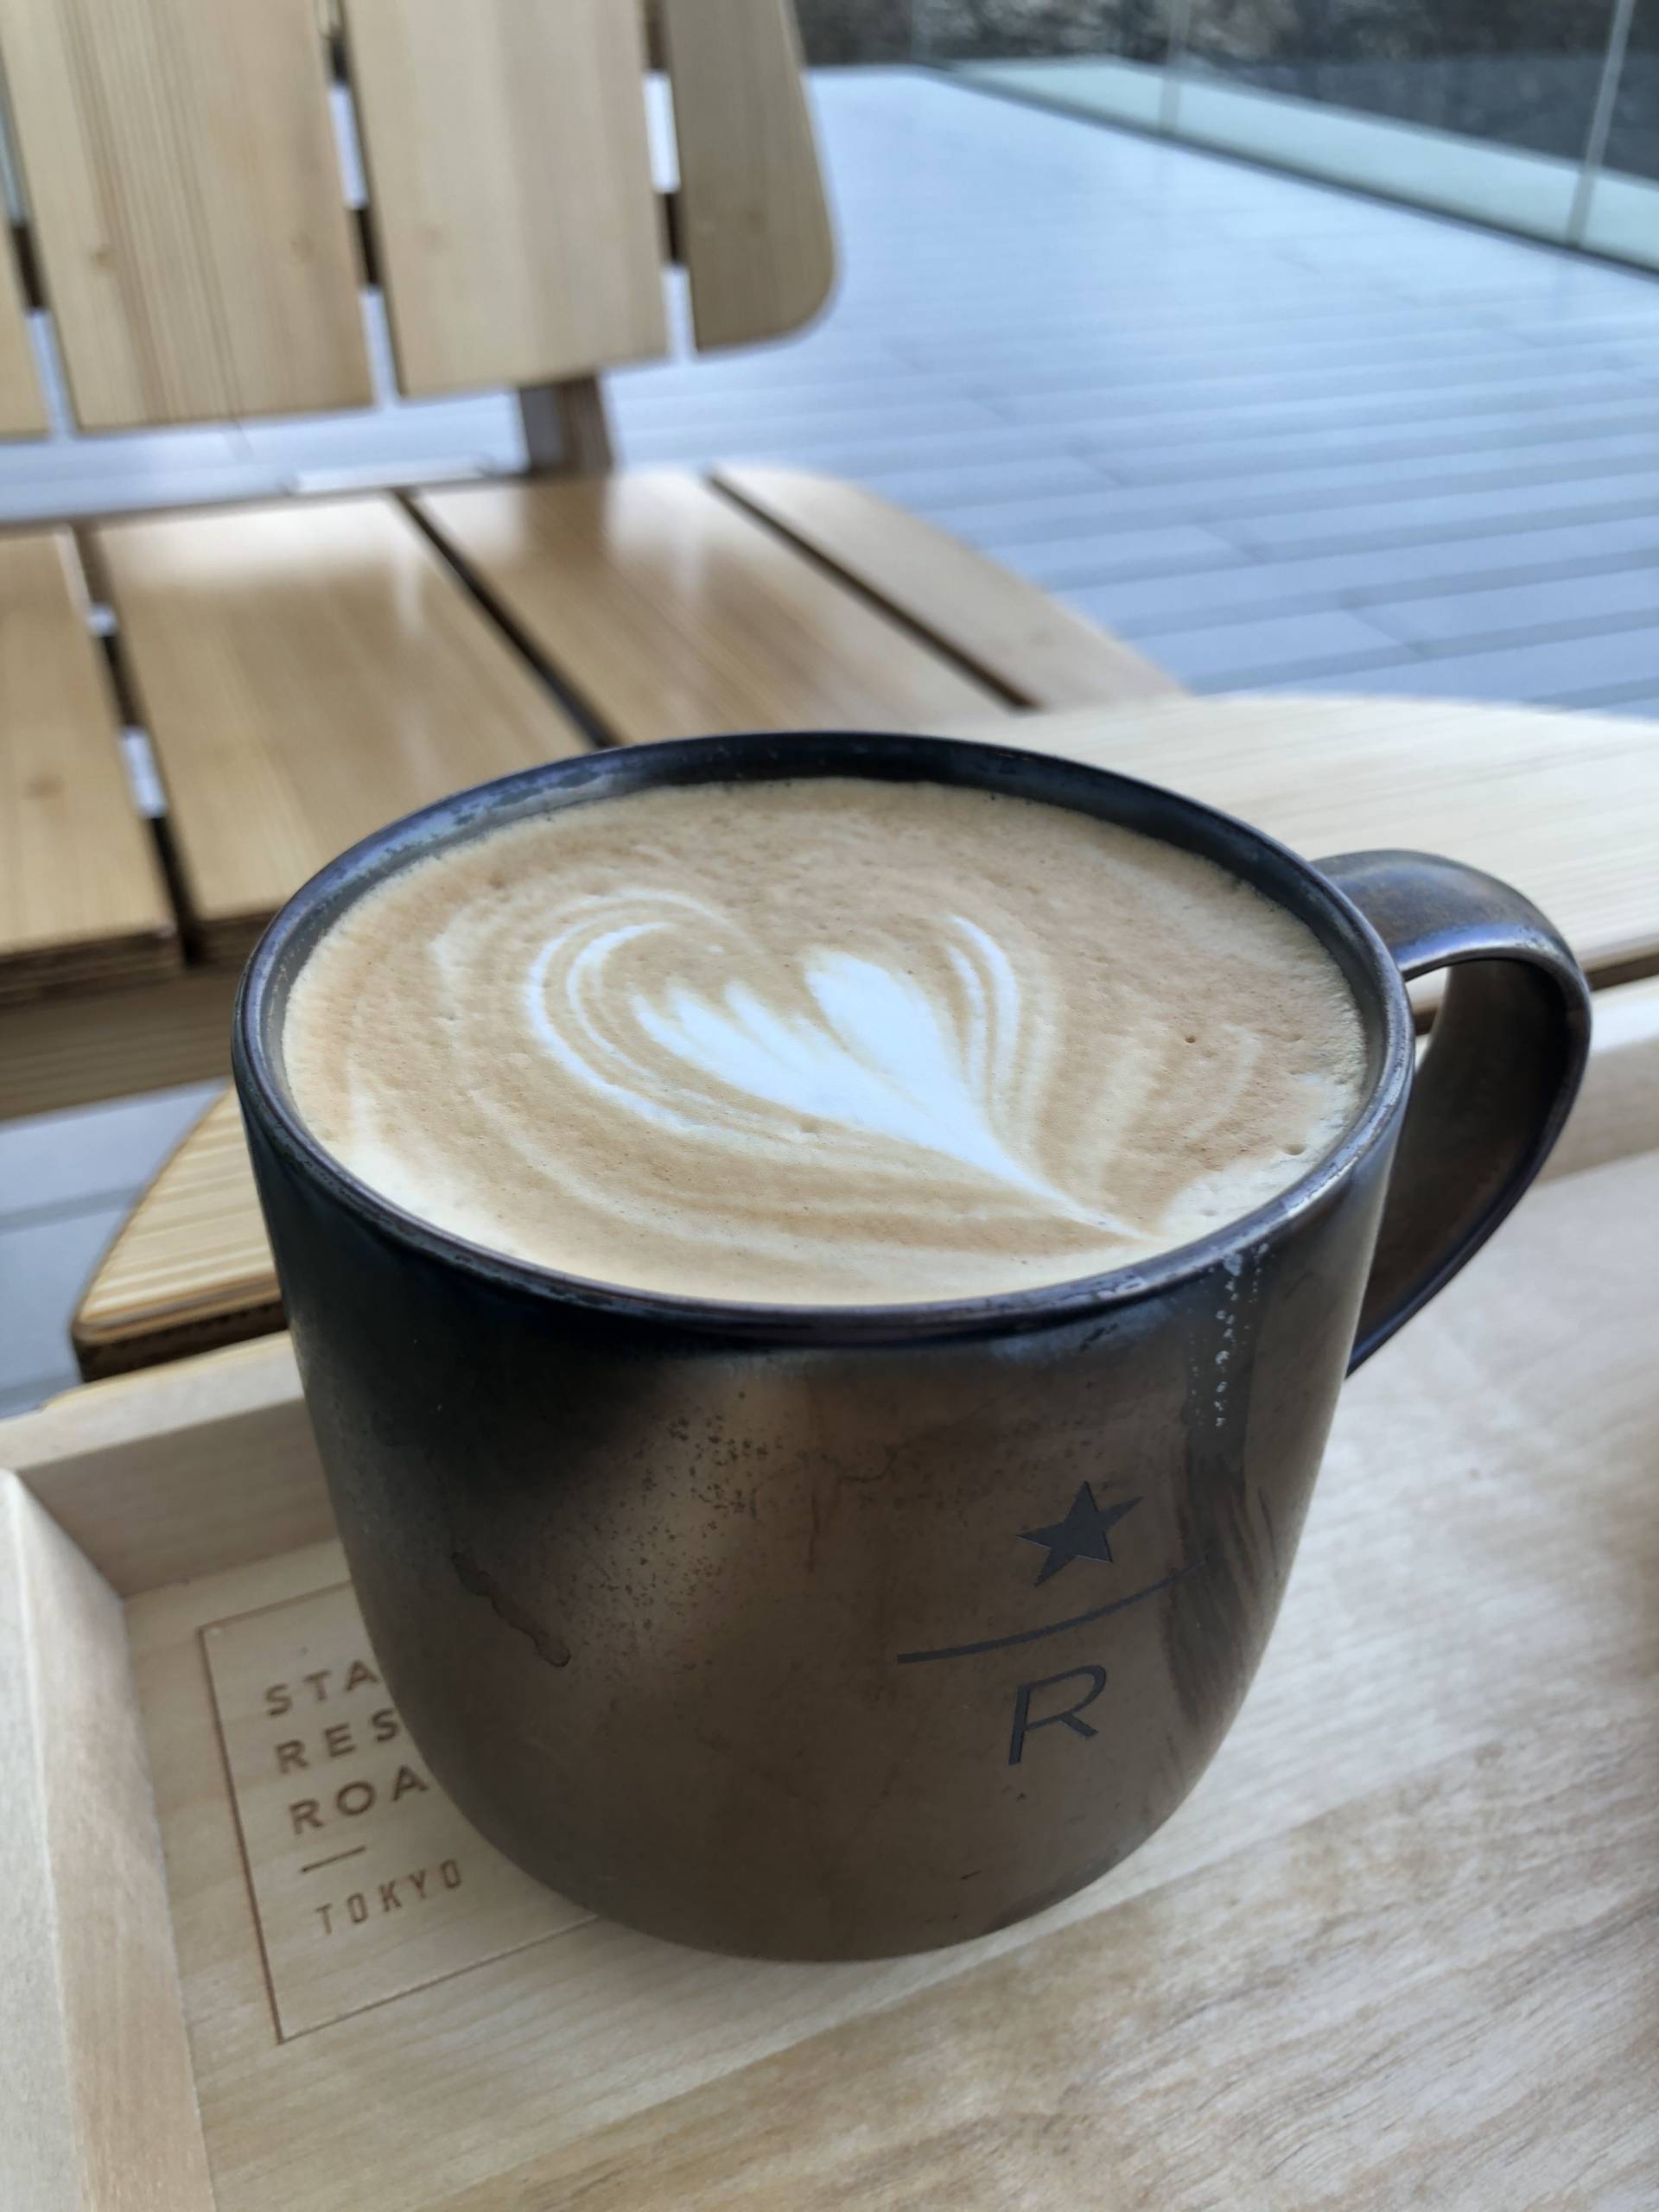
x,y
1633,139
997,30
1536,115
1522,72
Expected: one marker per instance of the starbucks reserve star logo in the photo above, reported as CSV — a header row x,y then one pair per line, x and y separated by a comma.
x,y
1081,1538
1083,1533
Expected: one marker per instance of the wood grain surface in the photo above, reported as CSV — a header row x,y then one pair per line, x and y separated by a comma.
x,y
191,1267
367,1882
82,891
1399,1946
753,227
673,614
81,1045
1566,806
22,405
1352,2013
510,188
186,207
306,672
101,2109
134,1469
1026,642
1617,1110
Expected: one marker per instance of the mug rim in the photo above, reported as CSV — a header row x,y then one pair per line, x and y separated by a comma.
x,y
1151,809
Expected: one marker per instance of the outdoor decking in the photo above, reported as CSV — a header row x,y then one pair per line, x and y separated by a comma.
x,y
1279,433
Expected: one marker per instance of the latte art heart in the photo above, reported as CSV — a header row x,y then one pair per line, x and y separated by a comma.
x,y
826,1042
860,1059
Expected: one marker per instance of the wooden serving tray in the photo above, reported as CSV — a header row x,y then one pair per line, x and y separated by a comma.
x,y
1401,1946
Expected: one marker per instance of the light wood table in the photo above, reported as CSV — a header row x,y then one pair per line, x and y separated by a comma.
x,y
1399,1948
1567,806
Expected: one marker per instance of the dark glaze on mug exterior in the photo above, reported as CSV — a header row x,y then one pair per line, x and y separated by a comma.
x,y
839,1633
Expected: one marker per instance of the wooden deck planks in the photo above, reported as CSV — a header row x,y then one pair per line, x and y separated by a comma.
x,y
82,898
1285,392
674,614
1019,638
308,672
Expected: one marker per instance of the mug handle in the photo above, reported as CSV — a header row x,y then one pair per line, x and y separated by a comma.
x,y
1498,1078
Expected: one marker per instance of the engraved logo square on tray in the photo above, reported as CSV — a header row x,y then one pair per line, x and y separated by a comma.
x,y
367,1881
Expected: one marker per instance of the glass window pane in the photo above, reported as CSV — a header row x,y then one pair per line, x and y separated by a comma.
x,y
1515,73
995,30
1633,140
835,31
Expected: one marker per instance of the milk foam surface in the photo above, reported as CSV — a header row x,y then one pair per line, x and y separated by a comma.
x,y
823,1041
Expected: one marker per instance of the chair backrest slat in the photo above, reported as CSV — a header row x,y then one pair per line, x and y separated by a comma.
x,y
754,231
184,191
514,216
23,406
188,221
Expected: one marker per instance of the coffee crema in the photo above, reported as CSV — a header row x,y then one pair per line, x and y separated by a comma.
x,y
823,1041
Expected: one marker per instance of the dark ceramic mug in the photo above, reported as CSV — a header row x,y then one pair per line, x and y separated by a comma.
x,y
726,1620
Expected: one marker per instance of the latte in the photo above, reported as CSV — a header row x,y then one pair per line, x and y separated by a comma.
x,y
823,1041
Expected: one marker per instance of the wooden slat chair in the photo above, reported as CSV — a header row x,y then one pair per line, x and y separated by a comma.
x,y
306,670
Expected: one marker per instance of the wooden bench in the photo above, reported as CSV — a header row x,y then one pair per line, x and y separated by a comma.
x,y
1568,805
302,672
